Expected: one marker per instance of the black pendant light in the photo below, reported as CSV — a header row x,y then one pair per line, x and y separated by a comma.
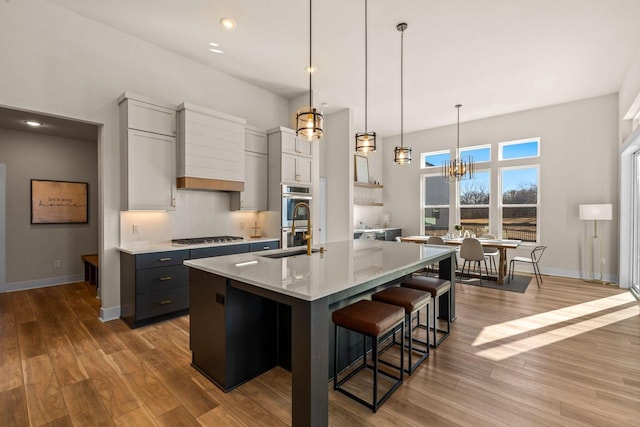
x,y
402,154
309,120
458,169
365,141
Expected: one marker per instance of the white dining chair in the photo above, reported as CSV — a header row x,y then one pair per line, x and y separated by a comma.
x,y
491,253
471,250
536,255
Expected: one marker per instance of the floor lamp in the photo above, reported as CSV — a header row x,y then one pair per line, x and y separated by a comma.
x,y
594,213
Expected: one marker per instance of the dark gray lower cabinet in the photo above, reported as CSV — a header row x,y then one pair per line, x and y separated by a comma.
x,y
153,286
233,334
263,246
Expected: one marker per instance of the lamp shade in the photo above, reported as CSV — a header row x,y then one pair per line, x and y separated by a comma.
x,y
595,212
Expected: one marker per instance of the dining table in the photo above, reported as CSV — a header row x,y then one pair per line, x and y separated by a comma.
x,y
502,245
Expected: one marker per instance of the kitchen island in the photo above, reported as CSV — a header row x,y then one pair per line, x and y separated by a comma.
x,y
236,322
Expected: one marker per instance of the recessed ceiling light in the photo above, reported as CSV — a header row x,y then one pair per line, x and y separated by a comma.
x,y
228,23
33,123
216,50
214,44
310,69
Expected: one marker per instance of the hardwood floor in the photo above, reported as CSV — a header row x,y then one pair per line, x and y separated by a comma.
x,y
567,354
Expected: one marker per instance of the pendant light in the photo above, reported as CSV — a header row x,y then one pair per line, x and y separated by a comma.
x,y
365,141
402,154
458,169
309,120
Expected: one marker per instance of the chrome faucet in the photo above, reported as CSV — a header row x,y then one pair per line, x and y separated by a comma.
x,y
308,235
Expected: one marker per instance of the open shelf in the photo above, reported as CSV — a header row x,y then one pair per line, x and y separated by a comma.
x,y
364,184
368,204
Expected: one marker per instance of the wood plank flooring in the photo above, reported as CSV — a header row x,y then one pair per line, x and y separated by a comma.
x,y
567,354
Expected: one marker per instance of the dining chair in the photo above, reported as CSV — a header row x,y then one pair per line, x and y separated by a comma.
x,y
471,250
433,240
491,253
536,255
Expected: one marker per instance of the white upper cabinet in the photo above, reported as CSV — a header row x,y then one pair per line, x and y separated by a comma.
x,y
254,196
290,156
211,149
148,153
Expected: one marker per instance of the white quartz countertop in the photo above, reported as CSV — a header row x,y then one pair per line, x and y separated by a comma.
x,y
144,248
343,265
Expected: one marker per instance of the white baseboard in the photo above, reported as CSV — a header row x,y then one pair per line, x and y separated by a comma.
x,y
610,278
111,313
43,283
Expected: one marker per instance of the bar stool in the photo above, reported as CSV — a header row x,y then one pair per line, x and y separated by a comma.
x,y
412,300
436,287
371,319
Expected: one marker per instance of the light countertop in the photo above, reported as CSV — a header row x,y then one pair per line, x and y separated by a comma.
x,y
364,230
343,265
144,248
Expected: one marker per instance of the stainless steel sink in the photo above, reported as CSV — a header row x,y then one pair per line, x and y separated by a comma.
x,y
289,254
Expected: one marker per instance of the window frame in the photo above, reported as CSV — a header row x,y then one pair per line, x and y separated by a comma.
x,y
502,205
517,142
430,153
460,206
423,206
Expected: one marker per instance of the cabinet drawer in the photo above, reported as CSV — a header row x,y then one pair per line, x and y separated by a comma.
x,y
161,259
392,234
161,278
150,118
263,246
219,251
162,302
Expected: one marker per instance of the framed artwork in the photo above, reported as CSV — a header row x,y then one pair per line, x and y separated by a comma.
x,y
361,169
59,202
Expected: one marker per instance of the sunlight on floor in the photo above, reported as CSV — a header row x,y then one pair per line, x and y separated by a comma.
x,y
531,323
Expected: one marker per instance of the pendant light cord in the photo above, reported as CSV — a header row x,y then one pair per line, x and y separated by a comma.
x,y
458,142
310,63
366,63
401,87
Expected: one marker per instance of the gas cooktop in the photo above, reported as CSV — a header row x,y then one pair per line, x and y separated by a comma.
x,y
201,240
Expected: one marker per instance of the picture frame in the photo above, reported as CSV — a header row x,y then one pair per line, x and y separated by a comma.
x,y
361,169
59,202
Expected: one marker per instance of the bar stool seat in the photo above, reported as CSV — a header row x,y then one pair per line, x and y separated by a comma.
x,y
437,288
412,300
373,319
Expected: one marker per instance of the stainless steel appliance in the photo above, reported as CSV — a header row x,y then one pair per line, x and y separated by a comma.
x,y
202,240
291,196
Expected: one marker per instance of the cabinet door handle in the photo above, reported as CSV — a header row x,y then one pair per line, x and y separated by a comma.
x,y
165,278
264,248
164,259
165,302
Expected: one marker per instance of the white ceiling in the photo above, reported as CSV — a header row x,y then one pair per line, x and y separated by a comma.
x,y
492,56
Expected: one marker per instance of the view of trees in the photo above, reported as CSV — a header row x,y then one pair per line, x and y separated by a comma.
x,y
476,193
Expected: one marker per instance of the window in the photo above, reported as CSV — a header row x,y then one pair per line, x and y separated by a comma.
x,y
480,153
475,203
434,159
435,212
522,149
520,203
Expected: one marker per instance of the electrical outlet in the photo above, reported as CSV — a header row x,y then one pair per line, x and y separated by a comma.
x,y
57,263
136,228
603,260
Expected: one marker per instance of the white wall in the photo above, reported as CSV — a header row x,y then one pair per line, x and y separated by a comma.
x,y
31,249
61,63
578,164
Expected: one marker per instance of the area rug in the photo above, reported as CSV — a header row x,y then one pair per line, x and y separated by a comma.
x,y
517,284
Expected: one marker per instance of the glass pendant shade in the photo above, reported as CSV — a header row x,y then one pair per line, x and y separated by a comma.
x,y
310,123
402,155
365,142
309,120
